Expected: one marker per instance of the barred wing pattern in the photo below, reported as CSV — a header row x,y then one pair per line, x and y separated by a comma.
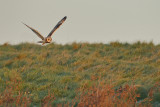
x,y
57,26
35,31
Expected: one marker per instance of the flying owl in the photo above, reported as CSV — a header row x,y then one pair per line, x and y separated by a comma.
x,y
47,39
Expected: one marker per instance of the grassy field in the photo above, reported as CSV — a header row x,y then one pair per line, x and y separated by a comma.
x,y
57,74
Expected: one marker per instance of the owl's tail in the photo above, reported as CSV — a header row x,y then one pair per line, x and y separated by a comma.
x,y
41,42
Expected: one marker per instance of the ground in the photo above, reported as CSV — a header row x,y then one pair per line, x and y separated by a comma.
x,y
62,71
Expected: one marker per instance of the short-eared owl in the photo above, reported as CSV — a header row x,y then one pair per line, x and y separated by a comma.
x,y
47,39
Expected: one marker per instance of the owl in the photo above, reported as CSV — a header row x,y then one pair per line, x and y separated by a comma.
x,y
47,39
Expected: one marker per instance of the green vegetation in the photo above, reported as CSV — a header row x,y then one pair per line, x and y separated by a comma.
x,y
68,69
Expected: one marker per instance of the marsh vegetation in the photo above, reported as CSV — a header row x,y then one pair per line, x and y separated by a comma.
x,y
80,74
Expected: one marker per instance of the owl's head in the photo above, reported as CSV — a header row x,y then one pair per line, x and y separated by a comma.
x,y
49,39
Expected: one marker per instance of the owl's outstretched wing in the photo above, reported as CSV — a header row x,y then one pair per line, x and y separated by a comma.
x,y
57,26
35,31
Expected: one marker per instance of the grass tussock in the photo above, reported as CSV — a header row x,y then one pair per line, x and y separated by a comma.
x,y
34,75
125,96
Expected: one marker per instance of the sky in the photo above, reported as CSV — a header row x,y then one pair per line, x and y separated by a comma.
x,y
87,20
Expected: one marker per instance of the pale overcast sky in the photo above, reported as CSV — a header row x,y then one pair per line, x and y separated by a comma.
x,y
87,20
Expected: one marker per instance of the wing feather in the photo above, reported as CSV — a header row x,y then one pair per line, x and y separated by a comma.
x,y
57,26
35,31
